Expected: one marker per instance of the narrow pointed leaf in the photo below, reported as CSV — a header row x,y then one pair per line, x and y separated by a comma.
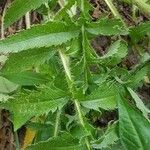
x,y
46,35
140,105
25,78
133,127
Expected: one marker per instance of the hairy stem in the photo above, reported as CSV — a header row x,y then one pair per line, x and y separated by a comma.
x,y
65,62
57,123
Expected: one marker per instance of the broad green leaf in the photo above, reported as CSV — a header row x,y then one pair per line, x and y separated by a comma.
x,y
28,104
19,8
137,33
7,86
133,127
107,27
26,60
25,78
102,97
116,52
62,142
49,34
109,138
140,105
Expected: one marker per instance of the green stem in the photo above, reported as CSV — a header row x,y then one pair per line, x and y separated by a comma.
x,y
113,9
84,58
17,141
57,123
65,62
82,122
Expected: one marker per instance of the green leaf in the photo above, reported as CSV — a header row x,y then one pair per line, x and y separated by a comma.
x,y
107,27
140,105
79,132
49,34
7,86
137,33
28,104
138,76
26,60
62,142
133,127
116,52
102,97
19,8
25,78
109,138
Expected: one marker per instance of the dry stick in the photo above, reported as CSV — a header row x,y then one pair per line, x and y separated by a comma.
x,y
27,20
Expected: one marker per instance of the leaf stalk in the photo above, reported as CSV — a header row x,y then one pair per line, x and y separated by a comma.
x,y
57,122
